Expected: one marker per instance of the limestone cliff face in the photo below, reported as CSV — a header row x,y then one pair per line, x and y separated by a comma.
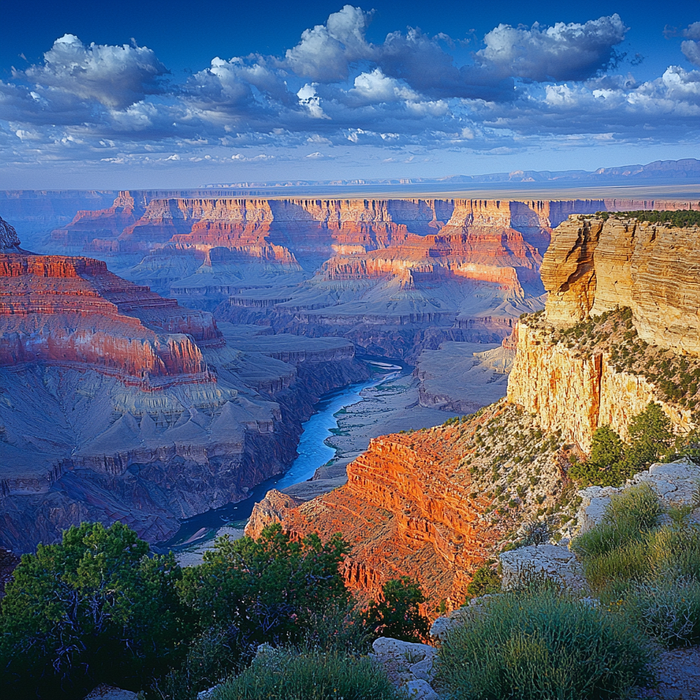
x,y
578,394
594,266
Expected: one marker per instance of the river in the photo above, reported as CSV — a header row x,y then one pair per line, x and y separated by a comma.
x,y
313,452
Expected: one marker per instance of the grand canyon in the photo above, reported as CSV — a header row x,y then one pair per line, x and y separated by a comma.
x,y
149,407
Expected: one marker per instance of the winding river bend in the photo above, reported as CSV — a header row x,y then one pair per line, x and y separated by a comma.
x,y
313,452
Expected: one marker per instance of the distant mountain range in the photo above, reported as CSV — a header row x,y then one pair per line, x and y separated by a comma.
x,y
686,169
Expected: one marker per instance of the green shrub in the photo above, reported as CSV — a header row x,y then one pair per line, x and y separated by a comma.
x,y
92,609
615,549
398,614
281,674
650,437
647,573
211,658
268,589
541,644
485,580
667,610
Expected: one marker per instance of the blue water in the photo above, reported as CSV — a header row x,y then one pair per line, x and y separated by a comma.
x,y
313,452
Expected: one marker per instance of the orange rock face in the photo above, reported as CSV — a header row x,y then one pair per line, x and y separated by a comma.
x,y
69,311
410,507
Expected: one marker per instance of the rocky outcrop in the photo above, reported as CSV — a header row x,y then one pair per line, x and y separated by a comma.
x,y
68,311
409,666
9,242
431,504
97,230
269,511
594,266
578,393
675,483
546,562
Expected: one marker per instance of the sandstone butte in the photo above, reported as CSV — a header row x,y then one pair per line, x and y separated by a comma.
x,y
419,504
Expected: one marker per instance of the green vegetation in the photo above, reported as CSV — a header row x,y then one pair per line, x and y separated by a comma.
x,y
673,219
542,644
398,614
266,589
94,608
612,461
646,572
485,581
98,608
282,674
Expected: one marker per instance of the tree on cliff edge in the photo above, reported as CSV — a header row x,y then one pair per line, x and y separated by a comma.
x,y
398,613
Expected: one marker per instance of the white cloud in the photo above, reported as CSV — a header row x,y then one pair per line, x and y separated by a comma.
x,y
562,52
309,99
115,76
525,86
377,87
326,51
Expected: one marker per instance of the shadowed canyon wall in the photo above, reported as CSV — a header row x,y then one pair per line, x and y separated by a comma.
x,y
119,404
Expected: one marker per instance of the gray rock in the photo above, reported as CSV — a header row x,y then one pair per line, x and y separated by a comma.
x,y
9,242
420,690
676,483
109,692
547,561
404,662
461,616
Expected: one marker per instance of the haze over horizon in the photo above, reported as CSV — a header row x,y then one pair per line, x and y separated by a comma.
x,y
160,96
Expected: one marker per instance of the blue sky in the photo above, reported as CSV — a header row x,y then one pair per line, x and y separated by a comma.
x,y
176,94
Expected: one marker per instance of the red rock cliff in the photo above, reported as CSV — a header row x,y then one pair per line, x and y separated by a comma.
x,y
64,310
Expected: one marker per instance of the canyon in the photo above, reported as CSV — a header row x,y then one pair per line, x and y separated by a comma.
x,y
118,404
438,503
394,276
121,403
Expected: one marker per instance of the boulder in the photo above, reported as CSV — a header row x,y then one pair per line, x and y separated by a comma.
x,y
551,562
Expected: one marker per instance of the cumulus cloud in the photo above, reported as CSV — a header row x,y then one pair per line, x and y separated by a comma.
x,y
562,52
115,76
691,48
423,63
326,51
377,87
334,88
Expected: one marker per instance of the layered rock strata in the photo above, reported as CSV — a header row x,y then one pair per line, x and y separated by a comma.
x,y
69,311
118,404
431,504
434,505
592,267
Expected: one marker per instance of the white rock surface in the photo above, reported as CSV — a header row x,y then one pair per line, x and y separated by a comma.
x,y
461,616
526,564
420,690
405,662
676,483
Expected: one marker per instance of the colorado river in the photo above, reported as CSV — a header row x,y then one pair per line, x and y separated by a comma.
x,y
313,452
